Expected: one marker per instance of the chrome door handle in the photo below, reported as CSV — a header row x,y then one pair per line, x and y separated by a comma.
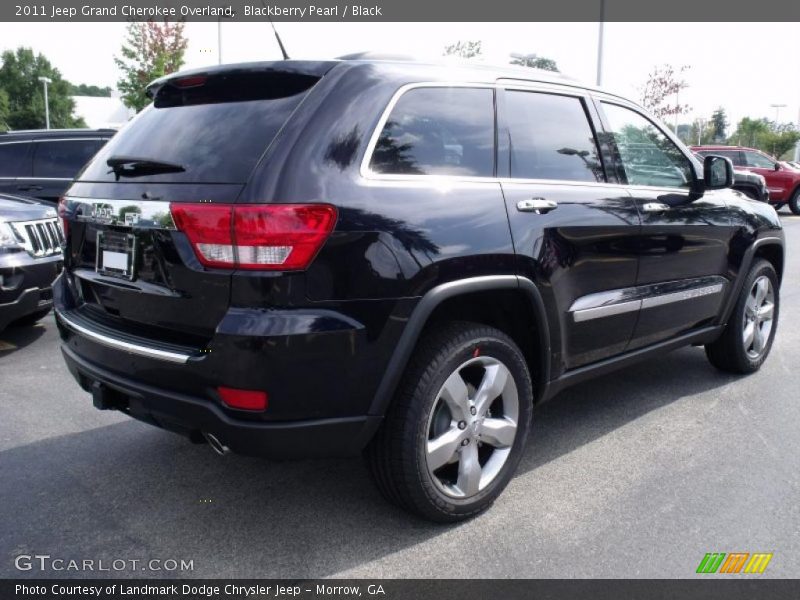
x,y
654,207
537,205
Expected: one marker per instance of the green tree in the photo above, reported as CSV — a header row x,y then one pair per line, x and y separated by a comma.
x,y
773,138
4,104
150,51
24,96
702,132
83,89
534,61
749,131
467,49
719,121
780,140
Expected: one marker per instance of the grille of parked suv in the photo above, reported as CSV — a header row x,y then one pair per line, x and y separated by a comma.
x,y
39,238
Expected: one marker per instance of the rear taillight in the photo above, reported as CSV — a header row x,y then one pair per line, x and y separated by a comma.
x,y
62,216
255,236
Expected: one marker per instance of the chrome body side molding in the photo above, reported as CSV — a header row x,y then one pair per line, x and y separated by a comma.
x,y
615,302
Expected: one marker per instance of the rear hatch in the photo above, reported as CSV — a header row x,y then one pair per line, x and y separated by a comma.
x,y
132,268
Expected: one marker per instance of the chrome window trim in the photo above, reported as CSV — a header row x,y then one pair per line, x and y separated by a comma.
x,y
73,139
544,87
38,178
117,344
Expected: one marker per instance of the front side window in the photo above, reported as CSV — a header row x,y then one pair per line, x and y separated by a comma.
x,y
63,159
438,131
758,160
646,155
551,138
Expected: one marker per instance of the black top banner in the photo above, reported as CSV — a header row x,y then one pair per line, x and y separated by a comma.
x,y
405,10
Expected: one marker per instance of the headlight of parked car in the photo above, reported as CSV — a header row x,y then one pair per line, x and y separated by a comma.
x,y
7,237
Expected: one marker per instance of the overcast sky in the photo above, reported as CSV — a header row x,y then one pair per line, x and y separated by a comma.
x,y
723,71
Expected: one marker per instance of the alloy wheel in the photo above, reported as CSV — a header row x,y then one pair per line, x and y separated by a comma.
x,y
759,312
471,427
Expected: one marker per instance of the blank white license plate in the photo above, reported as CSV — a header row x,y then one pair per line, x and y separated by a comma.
x,y
115,260
116,254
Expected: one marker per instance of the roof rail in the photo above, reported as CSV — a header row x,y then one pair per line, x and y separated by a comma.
x,y
65,130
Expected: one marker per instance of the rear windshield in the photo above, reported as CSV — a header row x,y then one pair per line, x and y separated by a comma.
x,y
216,132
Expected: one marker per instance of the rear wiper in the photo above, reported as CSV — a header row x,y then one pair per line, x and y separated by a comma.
x,y
130,166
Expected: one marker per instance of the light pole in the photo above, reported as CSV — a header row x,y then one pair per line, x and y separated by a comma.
x,y
219,40
600,32
777,108
45,81
219,34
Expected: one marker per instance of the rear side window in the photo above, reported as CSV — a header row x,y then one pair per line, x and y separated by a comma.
x,y
63,158
734,155
438,131
551,138
646,155
215,131
15,159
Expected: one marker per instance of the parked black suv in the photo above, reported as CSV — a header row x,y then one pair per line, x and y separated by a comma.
x,y
30,258
43,162
318,258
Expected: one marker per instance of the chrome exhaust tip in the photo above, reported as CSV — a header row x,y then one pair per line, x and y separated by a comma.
x,y
215,444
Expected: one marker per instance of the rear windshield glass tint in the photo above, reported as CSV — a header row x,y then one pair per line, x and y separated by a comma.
x,y
214,137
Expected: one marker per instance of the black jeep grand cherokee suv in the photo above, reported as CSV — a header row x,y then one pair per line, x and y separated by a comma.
x,y
319,258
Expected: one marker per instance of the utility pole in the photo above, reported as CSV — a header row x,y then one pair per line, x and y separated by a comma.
x,y
45,81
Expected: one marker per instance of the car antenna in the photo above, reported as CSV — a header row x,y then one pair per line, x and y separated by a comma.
x,y
277,37
280,43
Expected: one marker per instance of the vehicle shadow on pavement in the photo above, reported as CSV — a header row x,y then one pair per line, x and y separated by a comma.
x,y
130,491
16,337
587,411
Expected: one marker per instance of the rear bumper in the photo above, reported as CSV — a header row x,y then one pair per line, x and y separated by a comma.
x,y
192,416
26,286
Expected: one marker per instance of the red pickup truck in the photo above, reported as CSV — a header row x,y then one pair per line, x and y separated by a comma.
x,y
783,181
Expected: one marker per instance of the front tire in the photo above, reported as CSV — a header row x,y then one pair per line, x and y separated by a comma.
x,y
456,430
747,339
794,202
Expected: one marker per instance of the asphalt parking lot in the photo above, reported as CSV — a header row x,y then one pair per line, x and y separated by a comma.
x,y
637,474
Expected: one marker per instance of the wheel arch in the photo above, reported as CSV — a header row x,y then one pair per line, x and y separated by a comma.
x,y
450,300
770,249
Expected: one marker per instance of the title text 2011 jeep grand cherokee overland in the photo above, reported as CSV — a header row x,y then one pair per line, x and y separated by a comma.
x,y
318,258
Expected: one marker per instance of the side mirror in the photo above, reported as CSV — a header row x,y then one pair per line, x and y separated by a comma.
x,y
777,166
717,172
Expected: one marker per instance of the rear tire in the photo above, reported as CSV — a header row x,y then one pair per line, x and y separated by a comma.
x,y
747,339
457,428
794,202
